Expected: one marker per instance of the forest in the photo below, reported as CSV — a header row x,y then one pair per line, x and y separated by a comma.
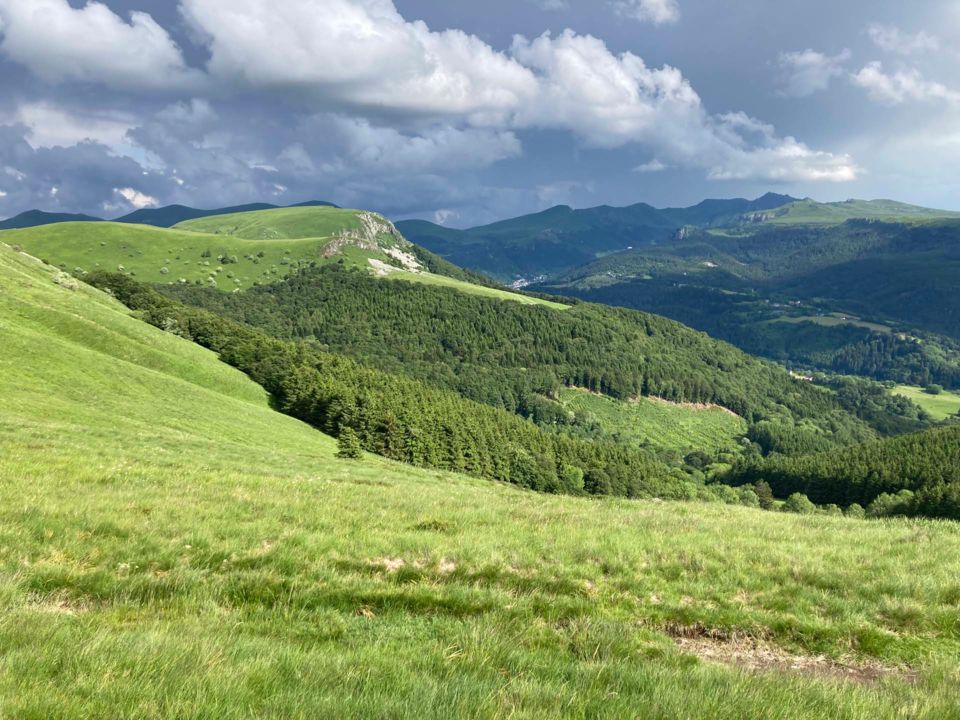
x,y
409,420
508,355
915,474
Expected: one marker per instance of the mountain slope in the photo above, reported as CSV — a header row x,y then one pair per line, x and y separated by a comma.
x,y
926,465
865,296
503,353
561,238
246,249
212,559
36,218
79,373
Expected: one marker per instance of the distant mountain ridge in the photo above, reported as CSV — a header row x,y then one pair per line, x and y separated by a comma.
x,y
36,218
559,239
167,216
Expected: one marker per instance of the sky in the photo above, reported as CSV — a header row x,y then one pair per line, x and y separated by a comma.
x,y
465,112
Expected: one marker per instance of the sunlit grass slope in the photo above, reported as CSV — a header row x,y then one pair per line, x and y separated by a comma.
x,y
278,224
939,406
170,547
229,252
661,424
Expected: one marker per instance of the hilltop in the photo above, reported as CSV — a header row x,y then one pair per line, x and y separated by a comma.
x,y
241,250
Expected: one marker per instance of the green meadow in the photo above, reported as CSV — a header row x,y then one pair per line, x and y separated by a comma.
x,y
229,252
659,423
940,406
171,547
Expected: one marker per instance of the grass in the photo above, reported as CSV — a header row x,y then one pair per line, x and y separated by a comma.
x,y
834,320
661,424
811,212
280,224
268,245
470,289
939,406
171,547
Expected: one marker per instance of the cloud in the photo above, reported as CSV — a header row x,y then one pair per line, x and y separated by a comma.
x,y
610,101
80,177
356,105
653,166
657,12
808,71
902,86
136,199
51,125
405,67
91,44
892,39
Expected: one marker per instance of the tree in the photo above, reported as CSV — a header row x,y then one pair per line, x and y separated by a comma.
x,y
764,494
348,445
933,389
799,503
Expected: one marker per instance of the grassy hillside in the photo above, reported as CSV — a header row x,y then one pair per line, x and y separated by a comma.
x,y
660,424
809,211
940,407
170,547
239,251
278,224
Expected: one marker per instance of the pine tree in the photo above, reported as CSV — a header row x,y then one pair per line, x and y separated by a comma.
x,y
348,445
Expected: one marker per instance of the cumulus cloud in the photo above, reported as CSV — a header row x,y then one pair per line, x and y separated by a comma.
x,y
136,198
891,39
902,86
657,12
51,125
806,72
611,101
91,44
374,109
358,53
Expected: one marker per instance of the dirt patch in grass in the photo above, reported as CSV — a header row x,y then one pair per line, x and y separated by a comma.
x,y
756,654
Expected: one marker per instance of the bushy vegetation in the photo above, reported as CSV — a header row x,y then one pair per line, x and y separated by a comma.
x,y
507,355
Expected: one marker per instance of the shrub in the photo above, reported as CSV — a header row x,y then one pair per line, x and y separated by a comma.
x,y
799,503
348,444
748,496
933,389
887,504
855,511
832,509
